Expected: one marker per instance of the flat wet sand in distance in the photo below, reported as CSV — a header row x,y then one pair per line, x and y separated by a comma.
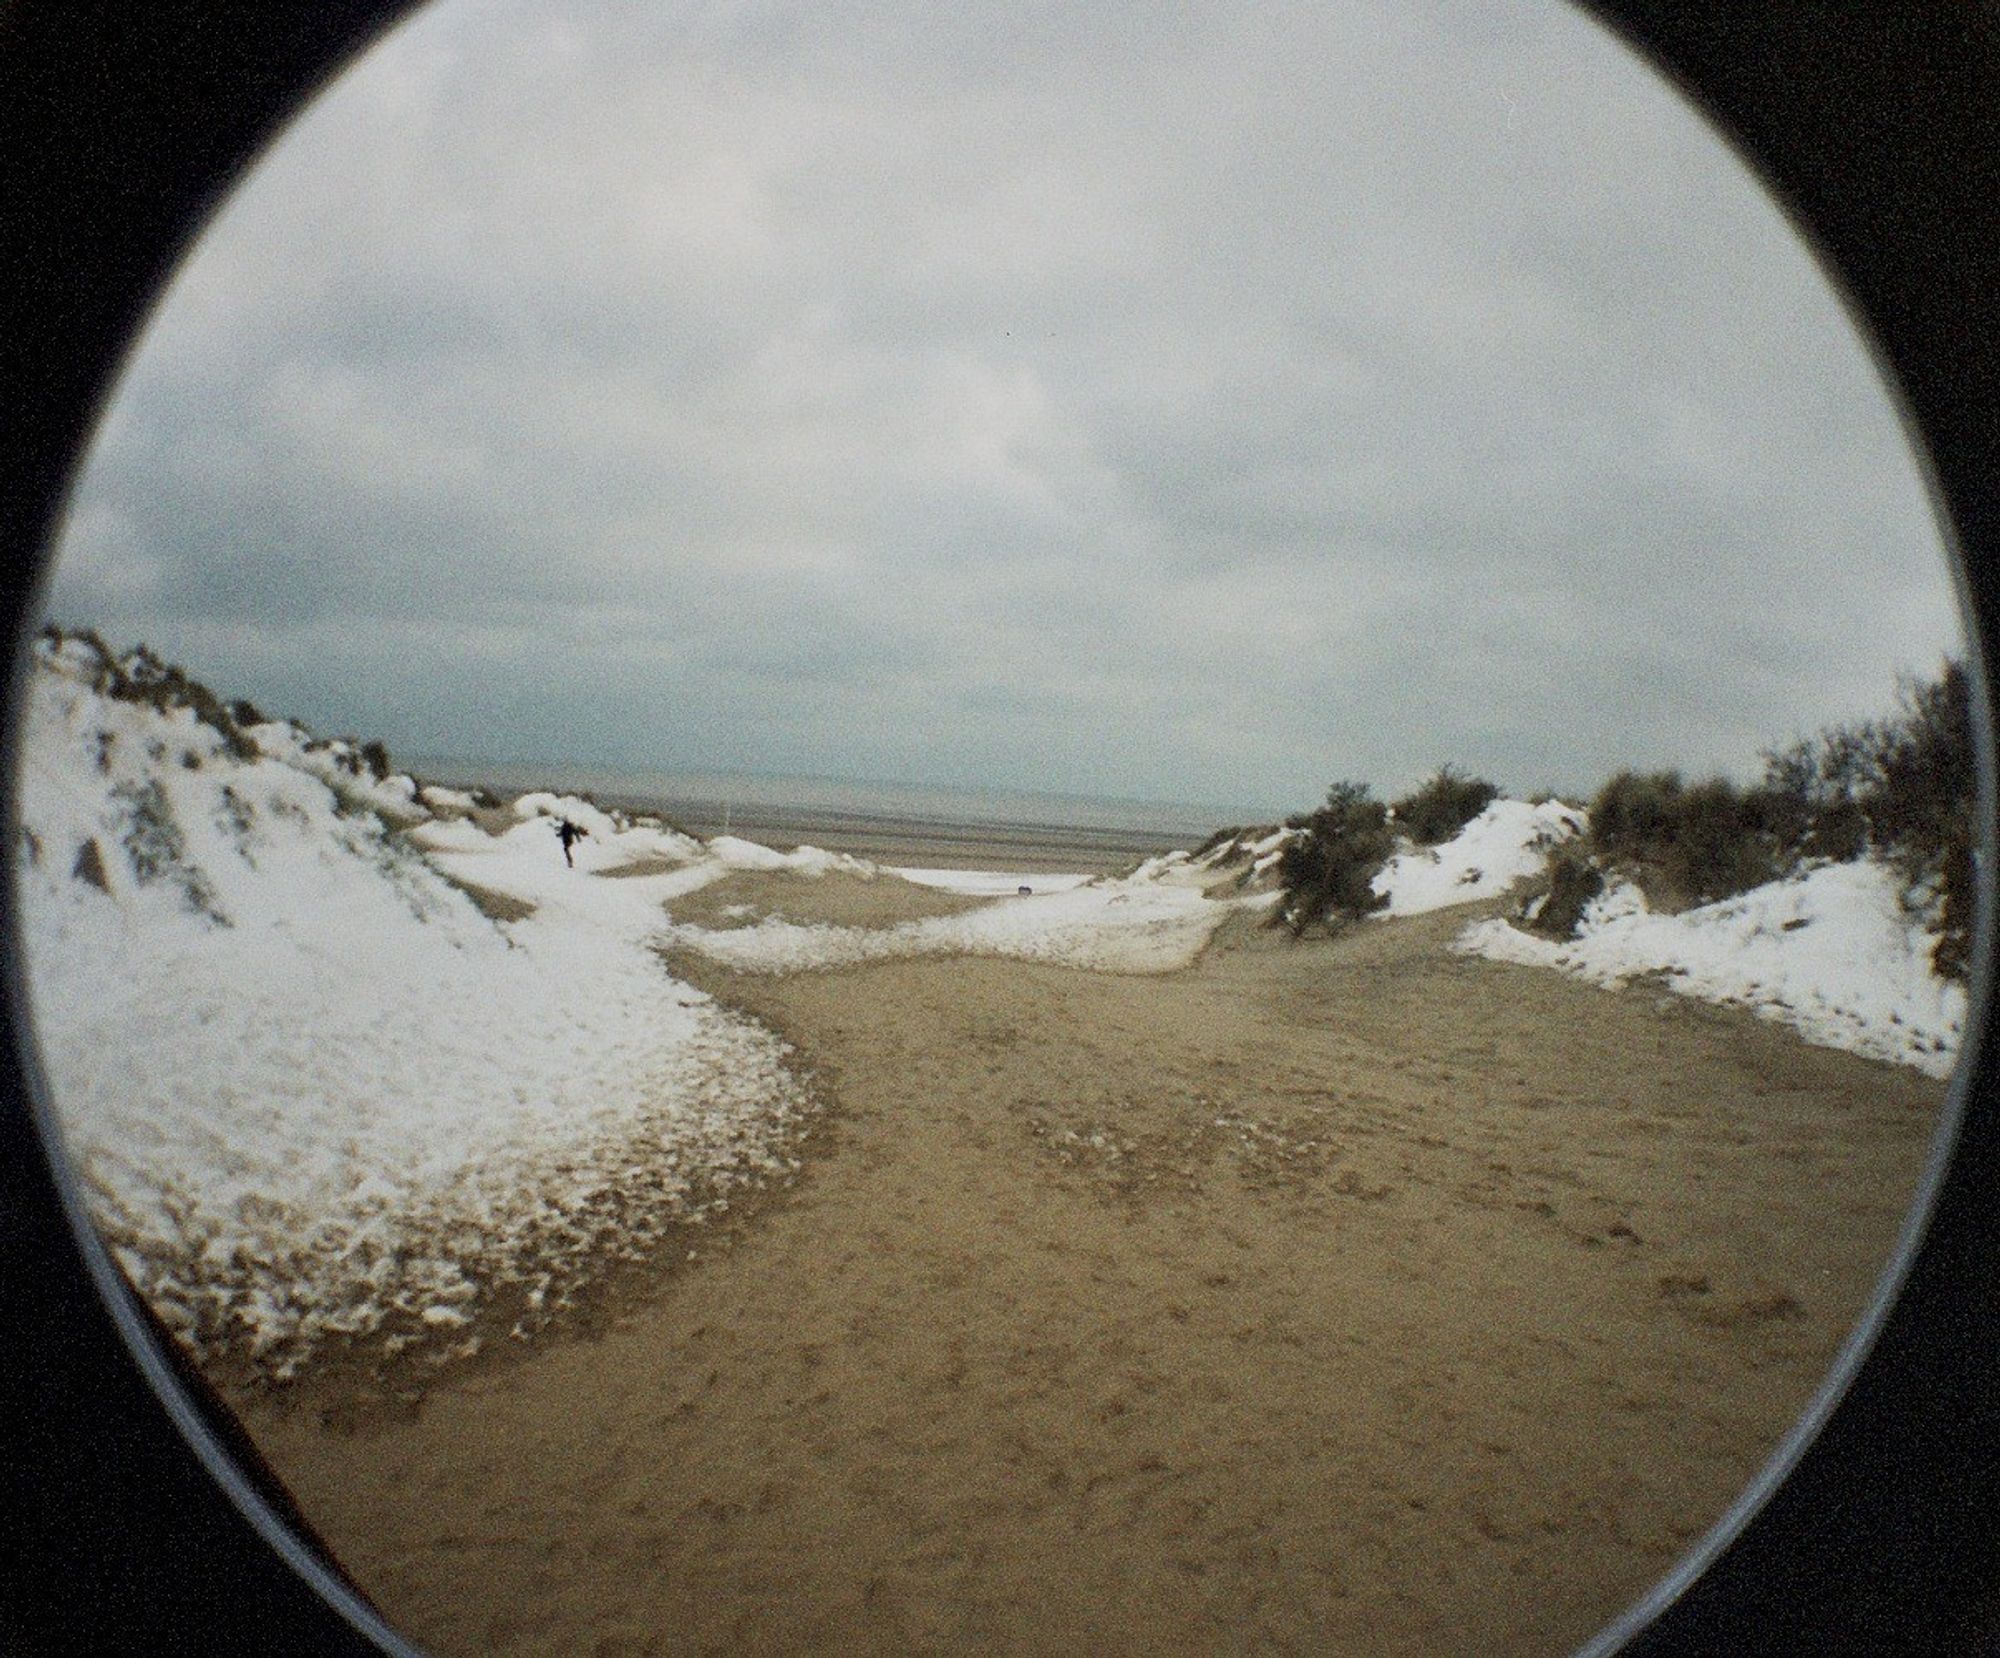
x,y
1334,1295
924,842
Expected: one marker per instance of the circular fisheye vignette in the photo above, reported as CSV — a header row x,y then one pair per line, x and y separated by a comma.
x,y
1861,1341
284,61
1854,1352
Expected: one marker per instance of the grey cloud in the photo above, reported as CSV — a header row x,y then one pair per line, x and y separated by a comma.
x,y
1159,400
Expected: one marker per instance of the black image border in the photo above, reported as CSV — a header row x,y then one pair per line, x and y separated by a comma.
x,y
143,1523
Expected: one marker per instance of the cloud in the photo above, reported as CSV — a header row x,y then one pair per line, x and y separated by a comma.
x,y
1183,402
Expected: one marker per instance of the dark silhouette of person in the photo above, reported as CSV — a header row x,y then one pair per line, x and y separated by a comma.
x,y
569,834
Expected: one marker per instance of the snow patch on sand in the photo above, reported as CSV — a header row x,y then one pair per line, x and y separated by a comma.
x,y
986,883
1129,926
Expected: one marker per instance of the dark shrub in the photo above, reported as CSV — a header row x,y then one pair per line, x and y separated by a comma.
x,y
377,758
1904,787
89,866
1806,803
1573,882
1920,802
151,834
143,678
1838,834
1688,843
1717,848
1633,814
1436,810
1957,892
1788,799
1325,873
1922,781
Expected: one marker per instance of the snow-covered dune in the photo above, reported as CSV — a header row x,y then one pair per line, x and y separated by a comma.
x,y
1831,952
311,1087
336,1058
1507,842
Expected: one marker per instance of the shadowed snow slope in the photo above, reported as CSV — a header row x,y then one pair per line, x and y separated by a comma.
x,y
312,1089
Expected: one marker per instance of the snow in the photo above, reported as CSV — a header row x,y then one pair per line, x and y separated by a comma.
x,y
525,861
1265,853
1506,842
1112,926
1830,952
315,1090
311,1089
736,853
339,764
441,798
986,883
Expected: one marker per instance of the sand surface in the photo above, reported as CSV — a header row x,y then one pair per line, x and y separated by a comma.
x,y
1335,1296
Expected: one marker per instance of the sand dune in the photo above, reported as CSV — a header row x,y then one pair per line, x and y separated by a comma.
x,y
1347,1295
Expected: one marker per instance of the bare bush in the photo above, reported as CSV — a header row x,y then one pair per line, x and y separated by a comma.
x,y
1326,874
1442,805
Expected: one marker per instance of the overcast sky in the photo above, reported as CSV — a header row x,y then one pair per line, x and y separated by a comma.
x,y
1186,401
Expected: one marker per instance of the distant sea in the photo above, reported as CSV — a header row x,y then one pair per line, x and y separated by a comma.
x,y
900,823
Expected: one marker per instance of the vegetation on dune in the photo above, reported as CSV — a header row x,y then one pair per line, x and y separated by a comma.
x,y
1573,881
141,677
1325,874
1901,787
1686,843
1442,805
1231,839
1904,787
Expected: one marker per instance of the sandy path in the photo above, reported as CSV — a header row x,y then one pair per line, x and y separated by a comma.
x,y
1345,1296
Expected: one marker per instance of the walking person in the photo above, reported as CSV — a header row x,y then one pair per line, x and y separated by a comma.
x,y
569,834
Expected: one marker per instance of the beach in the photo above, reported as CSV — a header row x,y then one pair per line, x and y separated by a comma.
x,y
888,823
622,1242
1341,1294
897,841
